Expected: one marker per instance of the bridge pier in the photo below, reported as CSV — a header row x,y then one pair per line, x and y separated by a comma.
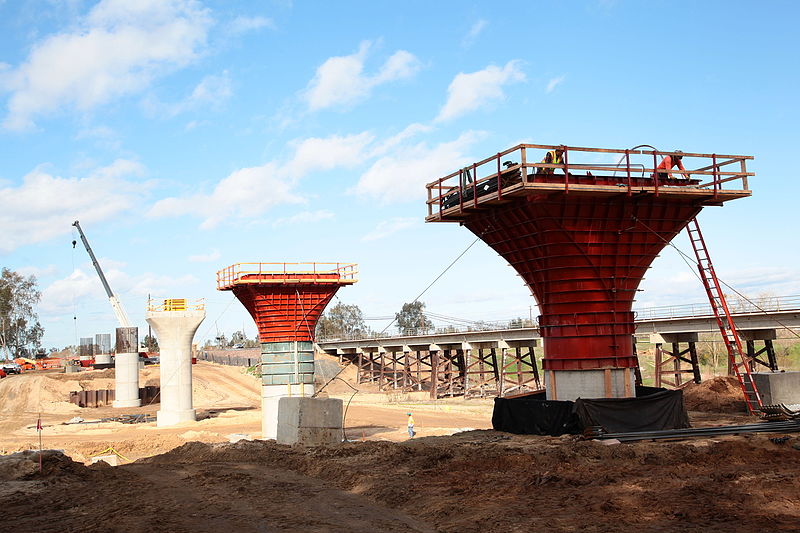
x,y
750,336
664,359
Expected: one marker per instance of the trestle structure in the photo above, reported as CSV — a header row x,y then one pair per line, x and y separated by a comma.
x,y
447,370
582,236
676,366
285,301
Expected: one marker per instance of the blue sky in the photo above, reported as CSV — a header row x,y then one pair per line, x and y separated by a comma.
x,y
187,136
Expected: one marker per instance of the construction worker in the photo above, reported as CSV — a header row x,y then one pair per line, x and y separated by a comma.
x,y
411,431
669,162
553,157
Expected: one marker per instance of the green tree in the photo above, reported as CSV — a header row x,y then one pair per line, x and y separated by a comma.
x,y
342,320
411,319
20,329
150,343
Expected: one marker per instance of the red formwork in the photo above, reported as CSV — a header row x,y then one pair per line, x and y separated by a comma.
x,y
582,243
583,259
285,299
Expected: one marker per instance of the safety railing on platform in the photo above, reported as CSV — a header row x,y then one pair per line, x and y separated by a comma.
x,y
287,272
175,304
510,168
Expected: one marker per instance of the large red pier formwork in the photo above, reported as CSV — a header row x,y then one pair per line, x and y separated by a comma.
x,y
286,301
582,235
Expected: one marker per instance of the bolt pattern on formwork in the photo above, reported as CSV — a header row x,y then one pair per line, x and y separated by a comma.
x,y
583,259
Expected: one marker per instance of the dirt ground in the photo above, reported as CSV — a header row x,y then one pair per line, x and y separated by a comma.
x,y
459,476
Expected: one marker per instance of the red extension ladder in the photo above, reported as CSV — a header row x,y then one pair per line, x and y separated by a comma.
x,y
738,361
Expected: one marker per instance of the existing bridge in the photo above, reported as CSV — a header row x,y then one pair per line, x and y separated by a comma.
x,y
502,360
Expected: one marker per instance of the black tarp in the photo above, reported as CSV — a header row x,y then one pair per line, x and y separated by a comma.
x,y
661,410
652,409
531,416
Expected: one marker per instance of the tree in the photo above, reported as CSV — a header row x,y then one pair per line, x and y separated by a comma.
x,y
411,319
20,329
150,343
342,320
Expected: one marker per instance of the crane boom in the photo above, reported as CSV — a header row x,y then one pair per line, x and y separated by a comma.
x,y
122,317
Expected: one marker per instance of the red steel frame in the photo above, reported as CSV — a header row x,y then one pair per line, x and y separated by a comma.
x,y
583,243
285,299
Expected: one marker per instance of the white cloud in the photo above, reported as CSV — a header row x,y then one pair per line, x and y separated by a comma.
x,y
403,174
340,81
213,255
468,92
250,192
325,153
244,24
116,50
474,32
244,193
553,83
211,92
44,206
83,285
303,217
389,227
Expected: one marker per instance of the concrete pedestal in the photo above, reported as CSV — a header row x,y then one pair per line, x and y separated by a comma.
x,y
175,330
606,383
126,380
270,398
309,421
102,359
778,387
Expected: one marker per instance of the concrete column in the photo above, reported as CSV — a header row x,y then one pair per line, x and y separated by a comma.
x,y
287,370
126,369
175,331
604,383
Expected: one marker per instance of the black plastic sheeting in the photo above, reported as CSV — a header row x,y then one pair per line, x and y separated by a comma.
x,y
652,409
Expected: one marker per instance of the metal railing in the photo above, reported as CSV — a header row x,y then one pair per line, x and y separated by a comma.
x,y
241,273
738,307
175,304
716,169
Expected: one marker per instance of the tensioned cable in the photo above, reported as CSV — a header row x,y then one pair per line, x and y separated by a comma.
x,y
434,281
693,266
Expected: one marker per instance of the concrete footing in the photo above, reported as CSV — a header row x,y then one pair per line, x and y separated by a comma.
x,y
778,387
309,421
270,397
604,383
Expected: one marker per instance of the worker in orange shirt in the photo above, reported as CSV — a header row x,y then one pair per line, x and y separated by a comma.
x,y
669,162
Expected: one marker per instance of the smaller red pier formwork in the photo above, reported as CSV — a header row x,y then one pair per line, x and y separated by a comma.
x,y
285,299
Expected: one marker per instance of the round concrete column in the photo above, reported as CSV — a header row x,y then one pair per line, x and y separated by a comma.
x,y
175,331
126,369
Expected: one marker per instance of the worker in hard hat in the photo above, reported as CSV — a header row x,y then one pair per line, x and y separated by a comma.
x,y
411,431
553,157
669,162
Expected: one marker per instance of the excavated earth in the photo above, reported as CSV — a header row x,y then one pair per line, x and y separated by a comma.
x,y
471,481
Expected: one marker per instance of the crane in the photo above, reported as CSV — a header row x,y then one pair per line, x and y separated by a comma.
x,y
122,317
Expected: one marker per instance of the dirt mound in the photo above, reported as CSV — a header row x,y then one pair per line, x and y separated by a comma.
x,y
25,466
474,481
721,394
